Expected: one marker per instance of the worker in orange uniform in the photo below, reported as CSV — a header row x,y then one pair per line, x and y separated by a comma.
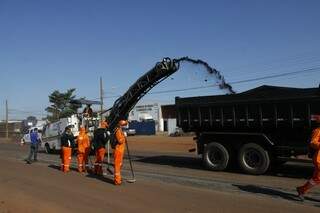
x,y
67,144
100,138
119,151
83,142
315,146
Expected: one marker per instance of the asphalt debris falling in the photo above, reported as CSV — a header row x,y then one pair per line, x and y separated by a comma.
x,y
221,81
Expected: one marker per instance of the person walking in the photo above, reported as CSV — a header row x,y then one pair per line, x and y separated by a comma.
x,y
315,147
35,140
119,151
67,143
83,142
100,138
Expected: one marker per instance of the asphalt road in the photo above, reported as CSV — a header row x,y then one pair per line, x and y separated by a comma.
x,y
166,182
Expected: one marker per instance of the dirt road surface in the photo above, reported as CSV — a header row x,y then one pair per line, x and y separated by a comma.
x,y
169,179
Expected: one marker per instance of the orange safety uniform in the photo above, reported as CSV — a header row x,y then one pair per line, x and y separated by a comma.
x,y
83,150
118,154
100,139
100,152
66,159
315,180
67,143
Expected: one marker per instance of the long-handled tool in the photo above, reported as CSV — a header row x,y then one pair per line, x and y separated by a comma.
x,y
132,173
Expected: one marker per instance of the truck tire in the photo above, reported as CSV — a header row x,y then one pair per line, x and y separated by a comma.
x,y
47,148
253,159
215,156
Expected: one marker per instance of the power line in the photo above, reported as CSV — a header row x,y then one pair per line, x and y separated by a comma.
x,y
309,70
271,68
268,65
314,69
293,58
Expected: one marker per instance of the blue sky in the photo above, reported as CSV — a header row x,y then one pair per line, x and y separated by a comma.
x,y
47,45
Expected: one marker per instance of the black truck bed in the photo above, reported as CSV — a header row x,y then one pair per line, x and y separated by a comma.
x,y
259,109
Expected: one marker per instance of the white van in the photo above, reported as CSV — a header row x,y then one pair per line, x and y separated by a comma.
x,y
52,132
26,137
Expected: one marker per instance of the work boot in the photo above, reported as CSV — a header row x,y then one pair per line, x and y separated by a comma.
x,y
28,162
117,183
300,194
117,180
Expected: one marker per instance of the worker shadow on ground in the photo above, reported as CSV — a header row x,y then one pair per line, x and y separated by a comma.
x,y
272,193
313,200
89,175
267,191
292,170
101,178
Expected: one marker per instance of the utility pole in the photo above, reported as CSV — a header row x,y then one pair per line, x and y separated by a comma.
x,y
101,98
7,120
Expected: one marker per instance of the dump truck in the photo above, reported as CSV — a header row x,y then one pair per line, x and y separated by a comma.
x,y
256,129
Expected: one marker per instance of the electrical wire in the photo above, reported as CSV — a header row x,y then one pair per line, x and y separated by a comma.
x,y
309,70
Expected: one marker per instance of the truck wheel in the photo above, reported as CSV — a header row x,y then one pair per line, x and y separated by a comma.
x,y
254,159
215,156
47,148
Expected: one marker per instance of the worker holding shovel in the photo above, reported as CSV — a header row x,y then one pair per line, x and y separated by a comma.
x,y
119,151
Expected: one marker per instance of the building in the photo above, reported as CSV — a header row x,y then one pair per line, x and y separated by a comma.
x,y
145,112
168,120
164,116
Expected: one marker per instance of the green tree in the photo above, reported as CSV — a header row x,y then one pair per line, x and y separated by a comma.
x,y
62,104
